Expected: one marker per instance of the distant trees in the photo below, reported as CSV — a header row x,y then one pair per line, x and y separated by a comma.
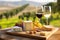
x,y
55,8
13,12
6,15
21,16
1,16
53,5
27,15
58,4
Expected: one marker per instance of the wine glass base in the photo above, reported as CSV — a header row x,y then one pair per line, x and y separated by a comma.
x,y
48,26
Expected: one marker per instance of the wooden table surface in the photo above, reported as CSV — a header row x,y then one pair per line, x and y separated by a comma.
x,y
55,36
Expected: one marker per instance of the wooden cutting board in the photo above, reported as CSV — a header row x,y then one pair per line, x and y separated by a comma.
x,y
33,36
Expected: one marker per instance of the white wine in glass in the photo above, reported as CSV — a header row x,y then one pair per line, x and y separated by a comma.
x,y
47,15
47,12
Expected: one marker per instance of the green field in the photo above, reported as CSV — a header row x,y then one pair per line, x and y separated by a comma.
x,y
8,23
5,23
56,23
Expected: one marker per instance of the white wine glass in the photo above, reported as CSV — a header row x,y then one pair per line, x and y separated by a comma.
x,y
47,13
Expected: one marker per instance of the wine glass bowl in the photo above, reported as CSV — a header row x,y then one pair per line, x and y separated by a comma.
x,y
47,12
39,15
39,12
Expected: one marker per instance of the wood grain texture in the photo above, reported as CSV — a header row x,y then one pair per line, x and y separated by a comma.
x,y
26,35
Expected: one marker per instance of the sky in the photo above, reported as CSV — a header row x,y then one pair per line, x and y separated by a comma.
x,y
32,0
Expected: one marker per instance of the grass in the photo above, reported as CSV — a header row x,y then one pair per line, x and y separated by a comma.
x,y
55,23
11,21
8,23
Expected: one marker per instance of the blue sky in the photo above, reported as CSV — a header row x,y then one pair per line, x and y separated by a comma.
x,y
33,0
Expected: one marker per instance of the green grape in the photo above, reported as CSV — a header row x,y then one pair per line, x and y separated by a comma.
x,y
37,19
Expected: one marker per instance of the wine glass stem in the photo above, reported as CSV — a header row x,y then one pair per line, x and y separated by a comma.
x,y
39,20
47,21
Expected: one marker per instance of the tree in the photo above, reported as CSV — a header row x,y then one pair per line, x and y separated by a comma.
x,y
53,6
13,12
6,15
58,4
21,16
1,16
